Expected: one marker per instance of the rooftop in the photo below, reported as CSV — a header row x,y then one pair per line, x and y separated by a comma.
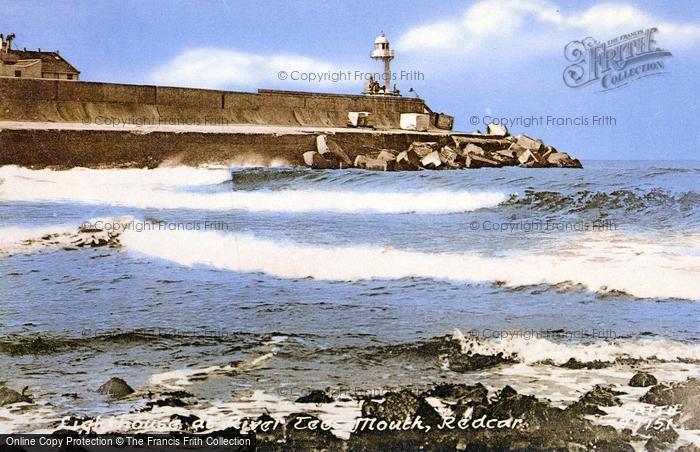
x,y
51,61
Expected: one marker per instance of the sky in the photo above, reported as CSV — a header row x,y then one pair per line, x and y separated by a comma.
x,y
476,60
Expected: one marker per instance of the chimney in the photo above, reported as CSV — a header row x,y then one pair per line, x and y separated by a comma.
x,y
9,39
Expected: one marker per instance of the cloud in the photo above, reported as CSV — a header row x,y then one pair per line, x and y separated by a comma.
x,y
217,68
521,28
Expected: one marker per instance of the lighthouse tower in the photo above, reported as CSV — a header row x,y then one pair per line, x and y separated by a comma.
x,y
383,52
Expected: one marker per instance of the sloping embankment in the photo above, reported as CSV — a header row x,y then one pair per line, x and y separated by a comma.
x,y
66,148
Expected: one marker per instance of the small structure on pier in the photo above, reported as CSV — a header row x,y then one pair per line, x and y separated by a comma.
x,y
383,52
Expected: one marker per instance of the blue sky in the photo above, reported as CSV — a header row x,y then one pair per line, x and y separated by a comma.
x,y
477,58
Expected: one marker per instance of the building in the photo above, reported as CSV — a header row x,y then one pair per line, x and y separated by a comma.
x,y
385,54
33,63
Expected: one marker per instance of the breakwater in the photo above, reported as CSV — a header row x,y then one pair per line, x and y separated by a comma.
x,y
66,148
89,103
64,124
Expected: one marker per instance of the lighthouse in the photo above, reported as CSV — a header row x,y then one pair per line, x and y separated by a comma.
x,y
382,52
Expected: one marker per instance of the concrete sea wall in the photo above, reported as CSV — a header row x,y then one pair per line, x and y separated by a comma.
x,y
89,103
119,148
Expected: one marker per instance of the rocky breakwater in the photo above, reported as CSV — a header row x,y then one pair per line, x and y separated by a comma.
x,y
495,149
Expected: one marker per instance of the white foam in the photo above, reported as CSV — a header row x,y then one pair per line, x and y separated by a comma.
x,y
647,274
13,239
141,188
96,179
532,350
178,379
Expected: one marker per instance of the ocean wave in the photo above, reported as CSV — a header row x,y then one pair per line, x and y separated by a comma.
x,y
643,270
157,189
626,200
531,350
98,179
15,239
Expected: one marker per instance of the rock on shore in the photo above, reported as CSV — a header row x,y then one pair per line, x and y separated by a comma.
x,y
9,396
115,388
494,150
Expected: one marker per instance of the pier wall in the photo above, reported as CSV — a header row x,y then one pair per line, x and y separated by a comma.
x,y
40,148
90,103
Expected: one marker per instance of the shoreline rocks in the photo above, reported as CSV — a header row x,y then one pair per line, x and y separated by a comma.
x,y
452,416
496,149
115,388
9,396
642,380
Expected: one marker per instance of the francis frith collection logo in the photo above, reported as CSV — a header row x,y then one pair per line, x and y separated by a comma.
x,y
614,63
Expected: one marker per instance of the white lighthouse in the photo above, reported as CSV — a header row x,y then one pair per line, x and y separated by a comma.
x,y
382,52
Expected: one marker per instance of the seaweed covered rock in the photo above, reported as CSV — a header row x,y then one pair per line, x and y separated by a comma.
x,y
315,396
506,421
399,406
9,396
116,388
306,432
642,380
460,393
599,396
684,394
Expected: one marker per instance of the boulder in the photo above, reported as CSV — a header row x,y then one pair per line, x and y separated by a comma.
x,y
9,396
547,151
642,380
173,402
360,161
386,156
574,363
408,161
496,129
358,118
315,396
115,388
414,121
365,162
598,396
472,149
527,159
399,406
431,161
300,435
562,160
332,150
506,157
487,143
423,148
476,161
187,423
462,393
93,239
317,161
529,143
450,158
517,149
661,438
685,393
381,165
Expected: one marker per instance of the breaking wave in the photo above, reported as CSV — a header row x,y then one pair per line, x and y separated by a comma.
x,y
537,350
626,200
159,189
640,270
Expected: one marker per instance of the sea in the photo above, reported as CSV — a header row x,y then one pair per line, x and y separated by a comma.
x,y
250,287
